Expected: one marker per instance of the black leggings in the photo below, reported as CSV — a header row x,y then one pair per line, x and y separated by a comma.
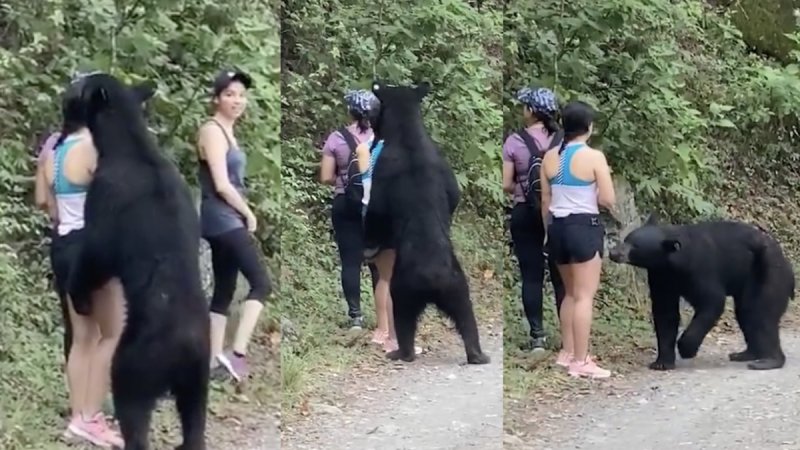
x,y
232,252
527,234
63,253
348,231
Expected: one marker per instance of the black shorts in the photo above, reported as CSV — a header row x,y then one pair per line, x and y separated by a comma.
x,y
63,254
576,238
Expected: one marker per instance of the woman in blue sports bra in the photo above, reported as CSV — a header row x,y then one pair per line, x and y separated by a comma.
x,y
67,172
575,182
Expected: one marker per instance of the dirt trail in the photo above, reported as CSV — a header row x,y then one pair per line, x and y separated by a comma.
x,y
707,403
434,403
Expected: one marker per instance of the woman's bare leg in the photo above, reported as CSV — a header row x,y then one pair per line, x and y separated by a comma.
x,y
108,310
565,316
385,263
85,338
585,284
382,300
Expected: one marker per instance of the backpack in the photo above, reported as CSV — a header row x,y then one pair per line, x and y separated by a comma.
x,y
353,187
532,190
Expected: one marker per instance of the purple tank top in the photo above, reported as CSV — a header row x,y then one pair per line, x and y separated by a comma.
x,y
337,147
515,151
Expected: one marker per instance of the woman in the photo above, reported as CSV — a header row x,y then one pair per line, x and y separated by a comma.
x,y
346,220
227,223
67,172
540,108
576,180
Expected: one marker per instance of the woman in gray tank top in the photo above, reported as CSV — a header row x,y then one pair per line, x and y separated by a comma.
x,y
227,223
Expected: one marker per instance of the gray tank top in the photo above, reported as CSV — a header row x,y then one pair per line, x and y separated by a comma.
x,y
216,215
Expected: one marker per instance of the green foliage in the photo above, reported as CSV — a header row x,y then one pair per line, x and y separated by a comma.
x,y
670,80
331,46
179,45
765,23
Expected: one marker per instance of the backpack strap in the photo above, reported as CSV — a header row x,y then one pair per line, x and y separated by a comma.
x,y
529,141
348,138
352,144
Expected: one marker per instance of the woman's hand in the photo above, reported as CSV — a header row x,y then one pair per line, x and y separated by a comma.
x,y
250,220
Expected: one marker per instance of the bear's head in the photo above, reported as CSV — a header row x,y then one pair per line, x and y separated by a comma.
x,y
650,246
397,102
110,109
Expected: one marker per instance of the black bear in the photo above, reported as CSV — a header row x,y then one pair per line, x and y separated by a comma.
x,y
142,92
413,197
704,263
142,228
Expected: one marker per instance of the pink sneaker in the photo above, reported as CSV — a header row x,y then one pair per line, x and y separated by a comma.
x,y
563,358
94,430
588,368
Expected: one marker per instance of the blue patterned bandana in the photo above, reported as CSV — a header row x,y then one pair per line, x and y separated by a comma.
x,y
540,100
361,101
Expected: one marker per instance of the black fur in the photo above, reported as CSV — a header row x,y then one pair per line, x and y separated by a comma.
x,y
704,263
142,227
413,198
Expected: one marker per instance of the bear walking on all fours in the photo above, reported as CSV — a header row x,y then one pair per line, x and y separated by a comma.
x,y
142,228
704,263
413,197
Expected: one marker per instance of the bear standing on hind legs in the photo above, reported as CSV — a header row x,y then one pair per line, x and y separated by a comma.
x,y
704,263
413,197
142,228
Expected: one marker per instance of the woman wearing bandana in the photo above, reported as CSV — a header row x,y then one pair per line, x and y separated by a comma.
x,y
338,153
540,111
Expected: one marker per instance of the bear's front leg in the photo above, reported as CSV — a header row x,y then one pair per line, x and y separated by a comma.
x,y
666,319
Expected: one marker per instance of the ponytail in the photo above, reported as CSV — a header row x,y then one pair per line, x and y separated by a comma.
x,y
568,137
363,124
549,121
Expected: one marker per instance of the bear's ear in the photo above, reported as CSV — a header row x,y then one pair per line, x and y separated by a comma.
x,y
94,97
671,245
422,89
144,91
652,219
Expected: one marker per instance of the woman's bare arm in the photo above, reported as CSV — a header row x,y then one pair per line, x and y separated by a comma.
x,y
547,193
327,170
605,184
508,177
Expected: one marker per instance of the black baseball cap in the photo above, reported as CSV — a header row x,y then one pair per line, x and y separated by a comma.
x,y
227,76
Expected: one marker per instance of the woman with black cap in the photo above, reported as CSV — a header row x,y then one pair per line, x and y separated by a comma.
x,y
227,223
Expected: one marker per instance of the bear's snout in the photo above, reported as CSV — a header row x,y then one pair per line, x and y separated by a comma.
x,y
619,254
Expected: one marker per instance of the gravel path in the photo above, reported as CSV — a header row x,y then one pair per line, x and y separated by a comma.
x,y
434,403
707,403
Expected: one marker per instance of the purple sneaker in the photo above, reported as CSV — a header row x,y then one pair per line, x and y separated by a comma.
x,y
235,365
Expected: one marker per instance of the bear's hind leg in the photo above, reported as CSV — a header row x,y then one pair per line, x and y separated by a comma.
x,y
191,399
767,335
744,310
134,412
454,301
406,310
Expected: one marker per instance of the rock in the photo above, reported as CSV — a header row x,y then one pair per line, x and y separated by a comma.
x,y
627,217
